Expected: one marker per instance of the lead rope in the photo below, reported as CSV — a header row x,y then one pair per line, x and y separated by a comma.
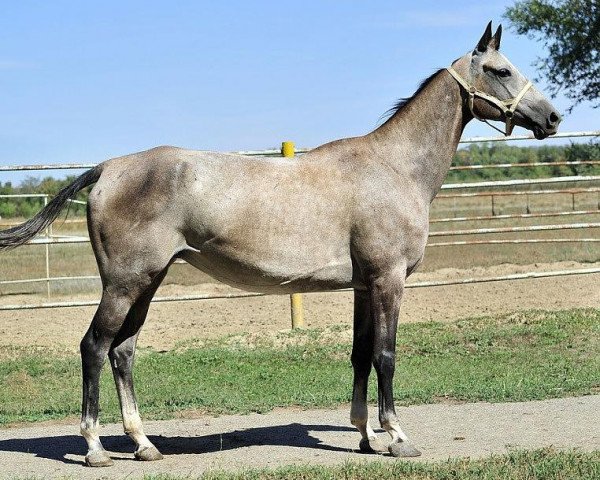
x,y
508,107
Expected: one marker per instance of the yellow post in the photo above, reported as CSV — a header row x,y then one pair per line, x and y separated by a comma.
x,y
287,150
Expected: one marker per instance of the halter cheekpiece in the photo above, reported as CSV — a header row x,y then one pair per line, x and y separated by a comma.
x,y
508,107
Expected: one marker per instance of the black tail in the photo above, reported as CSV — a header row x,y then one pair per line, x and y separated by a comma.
x,y
15,236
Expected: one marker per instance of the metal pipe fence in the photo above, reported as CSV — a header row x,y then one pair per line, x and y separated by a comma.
x,y
566,191
277,152
521,181
473,218
505,216
426,284
49,239
524,165
531,228
429,245
446,233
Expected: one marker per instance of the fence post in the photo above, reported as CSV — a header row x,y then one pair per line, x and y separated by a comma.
x,y
48,233
297,309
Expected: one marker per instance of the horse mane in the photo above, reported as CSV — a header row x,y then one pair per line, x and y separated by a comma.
x,y
401,103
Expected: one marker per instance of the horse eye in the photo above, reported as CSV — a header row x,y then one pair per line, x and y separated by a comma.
x,y
503,72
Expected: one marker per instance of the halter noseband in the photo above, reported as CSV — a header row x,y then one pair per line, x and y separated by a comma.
x,y
508,107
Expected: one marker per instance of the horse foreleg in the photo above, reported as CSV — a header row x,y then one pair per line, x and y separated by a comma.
x,y
386,294
362,353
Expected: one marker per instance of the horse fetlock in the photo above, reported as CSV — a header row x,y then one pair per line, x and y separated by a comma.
x,y
392,426
372,445
132,425
359,420
88,426
89,431
388,421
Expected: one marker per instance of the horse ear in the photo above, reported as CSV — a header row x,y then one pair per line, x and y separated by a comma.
x,y
495,42
485,39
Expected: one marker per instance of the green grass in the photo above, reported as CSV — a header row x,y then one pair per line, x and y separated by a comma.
x,y
543,464
524,356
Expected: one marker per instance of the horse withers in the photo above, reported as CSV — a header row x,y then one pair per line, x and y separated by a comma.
x,y
350,213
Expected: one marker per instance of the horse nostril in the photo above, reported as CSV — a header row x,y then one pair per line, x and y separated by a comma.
x,y
554,117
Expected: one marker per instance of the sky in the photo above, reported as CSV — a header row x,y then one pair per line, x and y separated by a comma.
x,y
81,82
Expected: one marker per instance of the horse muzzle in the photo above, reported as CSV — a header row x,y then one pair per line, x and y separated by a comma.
x,y
540,132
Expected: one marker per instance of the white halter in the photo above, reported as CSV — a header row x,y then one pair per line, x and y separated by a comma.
x,y
508,107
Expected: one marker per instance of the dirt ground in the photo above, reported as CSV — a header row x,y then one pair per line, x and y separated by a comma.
x,y
293,436
304,437
170,323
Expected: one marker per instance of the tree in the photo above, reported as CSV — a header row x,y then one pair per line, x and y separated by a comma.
x,y
570,30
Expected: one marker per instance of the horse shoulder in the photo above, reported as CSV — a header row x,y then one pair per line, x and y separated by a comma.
x,y
391,226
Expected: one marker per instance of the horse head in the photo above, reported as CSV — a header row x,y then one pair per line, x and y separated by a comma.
x,y
496,90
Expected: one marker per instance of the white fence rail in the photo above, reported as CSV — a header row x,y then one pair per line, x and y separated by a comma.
x,y
277,152
185,298
50,239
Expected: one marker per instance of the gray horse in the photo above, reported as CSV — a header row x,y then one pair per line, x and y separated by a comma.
x,y
351,213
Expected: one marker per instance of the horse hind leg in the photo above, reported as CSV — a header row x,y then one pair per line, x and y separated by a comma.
x,y
94,347
121,355
362,354
123,289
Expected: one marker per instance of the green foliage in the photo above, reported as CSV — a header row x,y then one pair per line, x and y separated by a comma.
x,y
496,153
570,30
502,153
28,207
519,357
542,464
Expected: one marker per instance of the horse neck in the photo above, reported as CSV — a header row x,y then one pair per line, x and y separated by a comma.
x,y
420,139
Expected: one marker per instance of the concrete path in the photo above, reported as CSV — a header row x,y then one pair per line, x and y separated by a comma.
x,y
284,437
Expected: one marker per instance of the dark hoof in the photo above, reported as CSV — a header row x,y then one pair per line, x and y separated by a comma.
x,y
98,458
403,449
372,445
148,454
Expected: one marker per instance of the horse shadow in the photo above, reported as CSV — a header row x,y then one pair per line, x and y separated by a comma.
x,y
290,435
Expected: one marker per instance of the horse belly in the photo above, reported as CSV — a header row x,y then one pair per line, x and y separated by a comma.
x,y
272,271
